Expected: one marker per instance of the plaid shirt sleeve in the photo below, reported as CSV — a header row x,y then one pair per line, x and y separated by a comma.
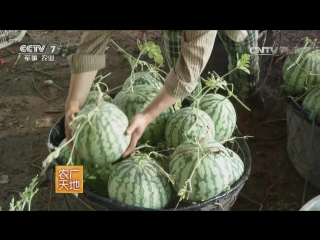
x,y
90,55
196,48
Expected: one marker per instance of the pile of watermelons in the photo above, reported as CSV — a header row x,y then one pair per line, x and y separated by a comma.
x,y
182,153
301,74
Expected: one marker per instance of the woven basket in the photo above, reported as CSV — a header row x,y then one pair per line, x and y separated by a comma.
x,y
9,37
89,201
303,142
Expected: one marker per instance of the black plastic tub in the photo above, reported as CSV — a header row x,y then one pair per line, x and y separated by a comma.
x,y
303,142
89,201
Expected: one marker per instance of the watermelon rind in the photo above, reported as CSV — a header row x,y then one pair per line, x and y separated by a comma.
x,y
136,181
303,75
211,174
134,102
311,102
237,165
103,138
94,176
222,113
181,122
142,78
93,97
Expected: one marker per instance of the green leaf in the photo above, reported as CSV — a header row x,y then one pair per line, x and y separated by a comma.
x,y
243,62
150,55
158,59
245,69
140,46
150,44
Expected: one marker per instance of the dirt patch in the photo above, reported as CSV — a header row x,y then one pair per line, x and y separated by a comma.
x,y
29,108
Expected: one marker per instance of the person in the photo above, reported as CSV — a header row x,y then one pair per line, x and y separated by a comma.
x,y
187,52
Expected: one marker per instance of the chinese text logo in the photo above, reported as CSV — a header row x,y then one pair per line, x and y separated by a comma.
x,y
69,179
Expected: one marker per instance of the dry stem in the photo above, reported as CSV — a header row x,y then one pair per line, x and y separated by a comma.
x,y
37,88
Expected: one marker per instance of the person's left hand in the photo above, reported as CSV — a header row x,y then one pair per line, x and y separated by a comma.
x,y
136,128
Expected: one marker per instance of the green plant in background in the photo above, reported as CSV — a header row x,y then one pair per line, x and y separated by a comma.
x,y
26,197
153,51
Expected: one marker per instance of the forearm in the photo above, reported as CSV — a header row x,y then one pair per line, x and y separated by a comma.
x,y
90,55
195,52
80,85
85,64
160,103
196,48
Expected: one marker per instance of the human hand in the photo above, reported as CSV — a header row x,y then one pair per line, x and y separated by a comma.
x,y
70,114
136,128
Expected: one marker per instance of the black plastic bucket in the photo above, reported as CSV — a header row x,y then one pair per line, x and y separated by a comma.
x,y
89,201
303,142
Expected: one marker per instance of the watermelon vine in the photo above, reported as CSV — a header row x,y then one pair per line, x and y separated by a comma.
x,y
78,124
213,83
216,82
153,52
299,70
183,141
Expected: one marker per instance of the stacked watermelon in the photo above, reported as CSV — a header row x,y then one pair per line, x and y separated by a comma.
x,y
196,133
301,74
199,166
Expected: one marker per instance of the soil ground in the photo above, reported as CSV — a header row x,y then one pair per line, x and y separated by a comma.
x,y
24,123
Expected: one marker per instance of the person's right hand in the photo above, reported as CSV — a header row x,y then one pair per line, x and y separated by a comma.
x,y
70,113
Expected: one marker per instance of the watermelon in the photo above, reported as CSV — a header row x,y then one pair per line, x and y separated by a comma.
x,y
211,174
237,166
94,176
93,96
311,102
138,182
134,102
222,113
298,77
64,155
178,127
142,78
102,139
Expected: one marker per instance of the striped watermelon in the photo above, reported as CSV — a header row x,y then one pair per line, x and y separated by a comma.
x,y
64,155
222,113
237,166
134,102
178,127
311,102
93,97
94,176
97,177
142,78
102,139
298,77
211,175
137,182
